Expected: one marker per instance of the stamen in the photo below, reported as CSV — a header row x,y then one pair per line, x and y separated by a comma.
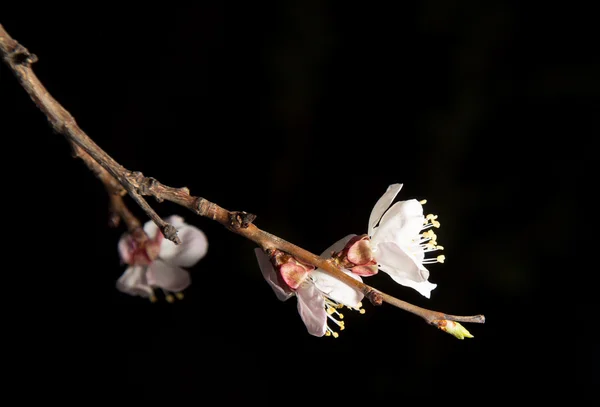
x,y
441,258
179,296
430,220
331,332
338,323
331,308
423,201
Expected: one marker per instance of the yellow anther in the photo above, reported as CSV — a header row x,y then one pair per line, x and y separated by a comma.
x,y
327,333
439,247
335,334
330,310
359,305
170,298
342,328
441,258
435,224
362,311
341,316
431,216
423,201
153,298
179,296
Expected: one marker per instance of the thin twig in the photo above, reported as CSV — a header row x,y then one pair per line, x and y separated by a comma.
x,y
137,185
19,60
118,210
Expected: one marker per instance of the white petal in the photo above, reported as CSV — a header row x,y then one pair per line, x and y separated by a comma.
x,y
167,276
176,221
311,307
382,204
125,247
151,229
133,282
402,224
192,248
337,290
270,275
337,246
403,268
424,287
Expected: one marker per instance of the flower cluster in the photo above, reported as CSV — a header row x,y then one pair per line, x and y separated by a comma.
x,y
398,239
156,263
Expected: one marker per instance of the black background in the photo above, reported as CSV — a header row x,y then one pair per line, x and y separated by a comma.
x,y
303,112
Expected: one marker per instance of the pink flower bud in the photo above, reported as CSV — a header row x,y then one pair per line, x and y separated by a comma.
x,y
357,256
290,270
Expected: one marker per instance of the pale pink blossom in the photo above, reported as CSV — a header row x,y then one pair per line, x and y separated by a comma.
x,y
159,263
398,239
319,295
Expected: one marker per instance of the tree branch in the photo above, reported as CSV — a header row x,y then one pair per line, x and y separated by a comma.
x,y
137,185
19,60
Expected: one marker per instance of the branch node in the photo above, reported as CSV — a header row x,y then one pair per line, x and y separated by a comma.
x,y
138,177
199,206
170,233
21,56
374,296
148,186
114,219
240,219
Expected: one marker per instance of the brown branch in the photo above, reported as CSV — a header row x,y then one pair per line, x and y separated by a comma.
x,y
118,210
137,185
19,60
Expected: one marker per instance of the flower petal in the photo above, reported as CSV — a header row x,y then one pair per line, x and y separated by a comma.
x,y
270,275
337,290
167,276
133,282
311,307
403,269
126,247
151,229
337,246
192,248
402,224
382,204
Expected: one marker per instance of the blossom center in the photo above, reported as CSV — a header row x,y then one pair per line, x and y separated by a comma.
x,y
142,250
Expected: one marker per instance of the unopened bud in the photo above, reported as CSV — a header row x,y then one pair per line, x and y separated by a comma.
x,y
453,328
292,271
